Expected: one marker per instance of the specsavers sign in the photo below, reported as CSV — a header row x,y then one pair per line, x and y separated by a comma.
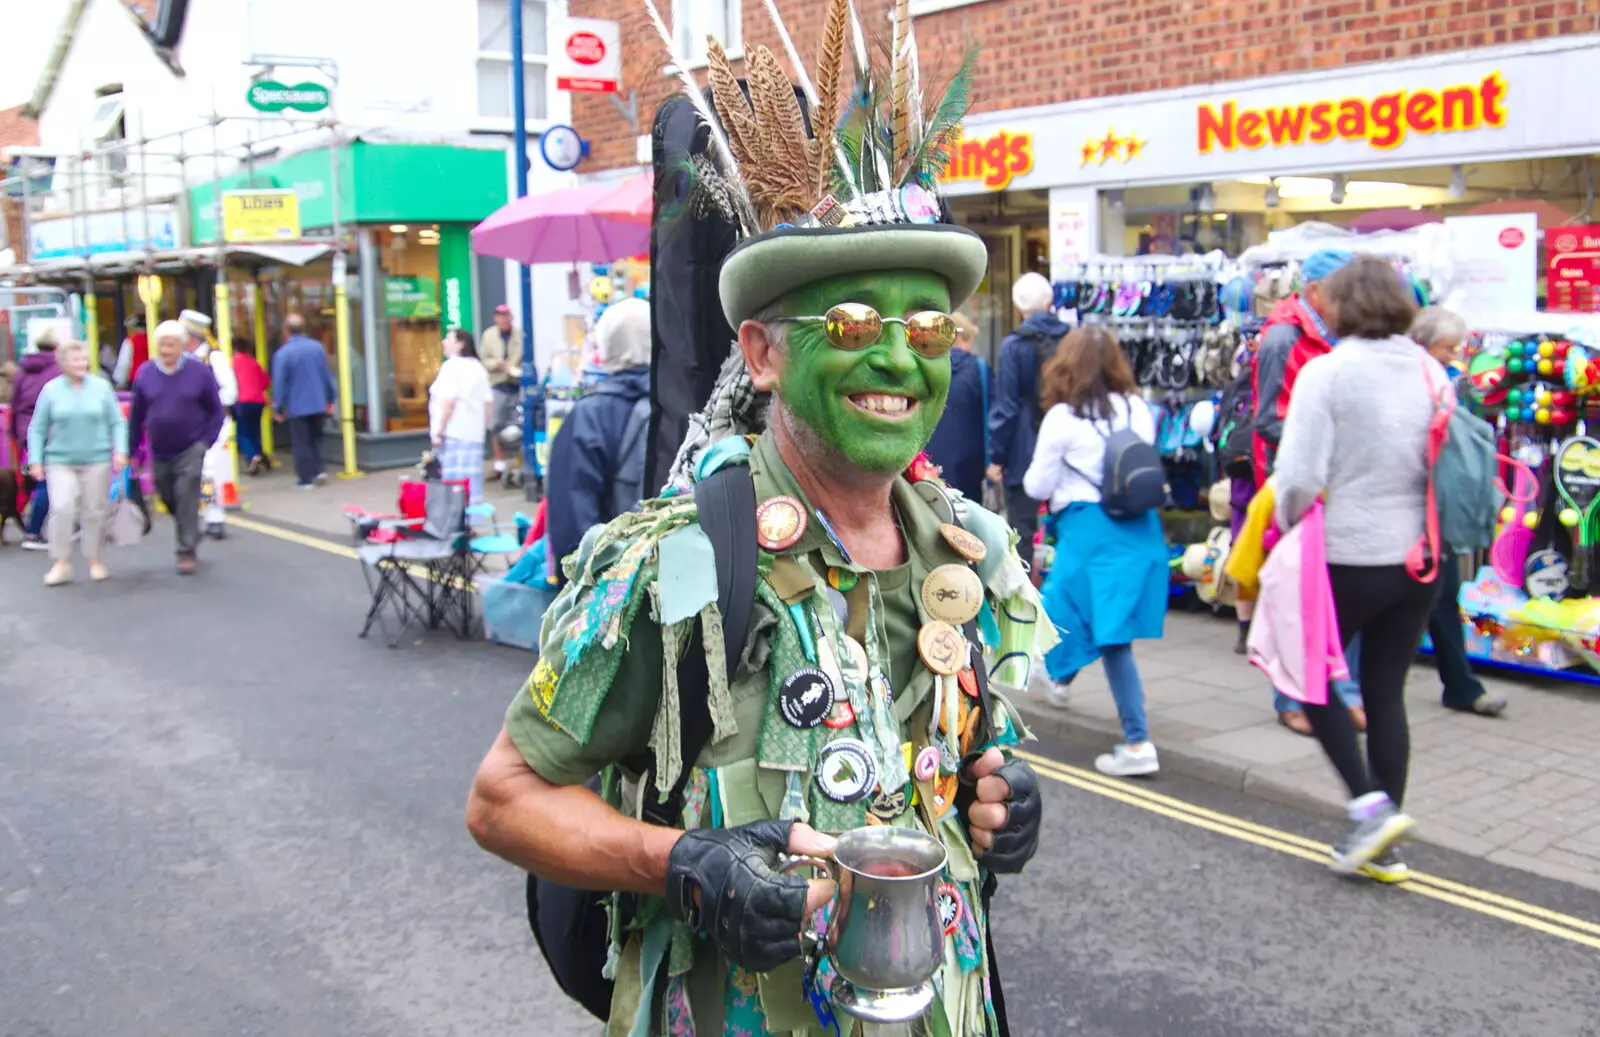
x,y
1473,106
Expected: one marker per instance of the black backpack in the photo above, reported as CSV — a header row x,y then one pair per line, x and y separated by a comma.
x,y
1235,425
627,485
571,925
1132,478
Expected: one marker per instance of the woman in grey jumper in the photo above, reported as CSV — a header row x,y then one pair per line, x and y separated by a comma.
x,y
1357,433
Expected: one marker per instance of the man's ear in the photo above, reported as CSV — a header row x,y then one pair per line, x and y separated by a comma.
x,y
762,358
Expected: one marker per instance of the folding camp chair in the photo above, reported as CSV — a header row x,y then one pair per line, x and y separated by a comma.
x,y
418,571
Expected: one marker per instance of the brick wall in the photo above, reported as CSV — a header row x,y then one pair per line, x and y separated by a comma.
x,y
1044,51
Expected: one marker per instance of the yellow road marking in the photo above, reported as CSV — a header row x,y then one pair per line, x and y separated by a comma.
x,y
1471,898
1482,901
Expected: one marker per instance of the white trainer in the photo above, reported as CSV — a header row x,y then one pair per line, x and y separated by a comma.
x,y
1126,761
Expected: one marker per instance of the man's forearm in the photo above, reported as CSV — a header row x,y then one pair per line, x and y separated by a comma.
x,y
563,833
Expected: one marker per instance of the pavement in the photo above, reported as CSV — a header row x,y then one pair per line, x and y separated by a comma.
x,y
1521,790
222,813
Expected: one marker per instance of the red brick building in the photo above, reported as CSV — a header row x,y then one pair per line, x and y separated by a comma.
x,y
16,130
1190,125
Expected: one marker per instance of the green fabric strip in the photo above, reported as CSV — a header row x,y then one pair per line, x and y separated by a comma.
x,y
724,722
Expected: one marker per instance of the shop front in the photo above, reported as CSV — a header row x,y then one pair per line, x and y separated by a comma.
x,y
1219,168
405,212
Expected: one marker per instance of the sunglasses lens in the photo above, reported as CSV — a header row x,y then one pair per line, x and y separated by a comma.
x,y
931,333
853,325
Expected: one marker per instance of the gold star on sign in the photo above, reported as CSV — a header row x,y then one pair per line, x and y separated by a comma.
x,y
1089,150
1109,146
1132,147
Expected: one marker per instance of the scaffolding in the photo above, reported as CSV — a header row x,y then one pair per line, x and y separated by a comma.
x,y
120,177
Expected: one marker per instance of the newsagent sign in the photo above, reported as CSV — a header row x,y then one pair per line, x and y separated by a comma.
x,y
1475,106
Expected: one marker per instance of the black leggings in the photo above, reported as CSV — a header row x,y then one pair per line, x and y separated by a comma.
x,y
1390,611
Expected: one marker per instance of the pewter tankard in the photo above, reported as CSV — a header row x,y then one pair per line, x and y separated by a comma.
x,y
885,938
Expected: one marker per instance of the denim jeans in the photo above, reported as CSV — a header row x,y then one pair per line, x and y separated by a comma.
x,y
39,508
1349,691
1127,690
1461,687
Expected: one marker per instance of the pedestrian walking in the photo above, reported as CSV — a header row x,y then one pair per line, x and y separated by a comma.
x,y
959,443
459,409
1356,434
177,404
1108,585
76,440
217,469
34,372
597,459
252,403
133,354
1295,332
1014,412
303,395
500,349
1441,332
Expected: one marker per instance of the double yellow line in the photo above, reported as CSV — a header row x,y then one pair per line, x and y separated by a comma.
x,y
1517,912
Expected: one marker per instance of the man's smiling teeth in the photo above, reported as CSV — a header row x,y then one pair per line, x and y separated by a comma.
x,y
879,403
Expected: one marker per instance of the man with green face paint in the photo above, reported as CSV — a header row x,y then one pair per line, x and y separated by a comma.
x,y
867,693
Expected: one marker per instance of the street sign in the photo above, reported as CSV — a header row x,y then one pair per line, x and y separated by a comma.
x,y
562,147
589,59
269,95
1573,282
261,216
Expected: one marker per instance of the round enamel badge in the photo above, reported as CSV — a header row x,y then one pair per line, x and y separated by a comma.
x,y
963,543
843,715
949,904
943,649
926,765
952,593
806,697
780,522
845,772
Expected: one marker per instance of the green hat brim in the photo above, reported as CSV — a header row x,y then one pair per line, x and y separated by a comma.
x,y
769,266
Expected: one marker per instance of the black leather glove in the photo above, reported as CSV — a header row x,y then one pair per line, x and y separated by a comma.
x,y
747,906
1015,844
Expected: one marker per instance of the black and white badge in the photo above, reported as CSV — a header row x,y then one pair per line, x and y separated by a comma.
x,y
845,771
806,697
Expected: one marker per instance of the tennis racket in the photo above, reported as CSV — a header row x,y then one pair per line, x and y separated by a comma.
x,y
1577,479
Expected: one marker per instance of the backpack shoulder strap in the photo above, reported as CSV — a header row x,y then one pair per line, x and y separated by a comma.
x,y
726,501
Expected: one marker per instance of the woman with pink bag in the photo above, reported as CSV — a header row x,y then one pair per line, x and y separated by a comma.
x,y
1357,437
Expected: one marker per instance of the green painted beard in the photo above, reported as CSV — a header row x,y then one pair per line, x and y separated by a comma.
x,y
819,380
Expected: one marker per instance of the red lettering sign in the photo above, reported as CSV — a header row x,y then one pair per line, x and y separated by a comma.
x,y
1574,271
1512,237
586,48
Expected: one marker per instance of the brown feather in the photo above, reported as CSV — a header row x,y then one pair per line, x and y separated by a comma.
x,y
901,78
829,66
784,186
730,101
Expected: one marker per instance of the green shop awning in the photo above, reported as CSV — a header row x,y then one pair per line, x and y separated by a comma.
x,y
379,183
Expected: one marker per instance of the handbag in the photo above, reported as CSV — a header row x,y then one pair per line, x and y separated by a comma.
x,y
127,523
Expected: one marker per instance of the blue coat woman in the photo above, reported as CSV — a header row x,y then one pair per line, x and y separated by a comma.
x,y
1108,585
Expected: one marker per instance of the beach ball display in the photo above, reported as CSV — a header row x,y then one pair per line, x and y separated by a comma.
x,y
1583,370
1487,373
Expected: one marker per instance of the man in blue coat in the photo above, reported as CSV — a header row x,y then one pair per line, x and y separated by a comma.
x,y
597,459
303,393
1014,414
957,446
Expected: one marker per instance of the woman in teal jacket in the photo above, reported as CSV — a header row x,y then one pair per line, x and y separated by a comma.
x,y
76,439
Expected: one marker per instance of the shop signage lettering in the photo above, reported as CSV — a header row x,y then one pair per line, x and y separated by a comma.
x,y
452,302
590,57
1382,121
260,216
410,298
1573,282
272,96
994,161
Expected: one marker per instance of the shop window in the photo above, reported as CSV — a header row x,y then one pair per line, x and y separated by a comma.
x,y
412,308
495,96
692,20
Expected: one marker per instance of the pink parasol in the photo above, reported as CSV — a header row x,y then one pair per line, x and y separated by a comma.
x,y
559,227
1391,219
632,201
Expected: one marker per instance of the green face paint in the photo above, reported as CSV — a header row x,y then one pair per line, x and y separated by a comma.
x,y
819,379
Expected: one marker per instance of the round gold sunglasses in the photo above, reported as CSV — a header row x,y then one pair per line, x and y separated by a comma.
x,y
855,325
